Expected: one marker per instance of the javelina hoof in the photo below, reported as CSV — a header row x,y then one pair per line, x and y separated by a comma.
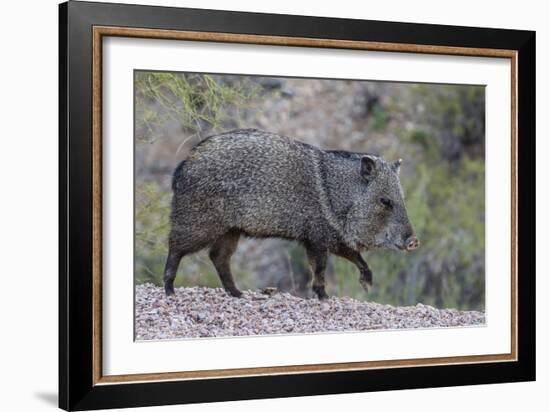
x,y
169,289
365,283
236,293
320,292
366,280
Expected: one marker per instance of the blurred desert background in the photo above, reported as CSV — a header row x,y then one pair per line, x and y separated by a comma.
x,y
438,131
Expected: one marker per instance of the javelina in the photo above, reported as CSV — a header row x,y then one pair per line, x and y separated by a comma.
x,y
259,184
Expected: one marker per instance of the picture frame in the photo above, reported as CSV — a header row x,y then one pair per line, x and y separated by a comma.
x,y
82,29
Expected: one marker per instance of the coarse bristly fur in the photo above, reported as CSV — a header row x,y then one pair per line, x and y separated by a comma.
x,y
260,184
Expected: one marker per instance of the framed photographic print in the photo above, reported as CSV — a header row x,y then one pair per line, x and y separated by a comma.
x,y
257,205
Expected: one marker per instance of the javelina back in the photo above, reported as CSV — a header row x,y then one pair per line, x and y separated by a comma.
x,y
259,184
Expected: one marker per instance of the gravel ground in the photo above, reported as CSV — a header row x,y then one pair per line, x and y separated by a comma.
x,y
208,312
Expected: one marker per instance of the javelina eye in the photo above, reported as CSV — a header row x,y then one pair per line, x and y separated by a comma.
x,y
386,202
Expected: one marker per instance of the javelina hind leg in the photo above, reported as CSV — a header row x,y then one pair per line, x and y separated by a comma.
x,y
171,268
302,280
220,254
365,274
179,246
318,261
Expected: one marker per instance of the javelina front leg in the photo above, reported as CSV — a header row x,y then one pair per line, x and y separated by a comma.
x,y
365,274
220,254
318,261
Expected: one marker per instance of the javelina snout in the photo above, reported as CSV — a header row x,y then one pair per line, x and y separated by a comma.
x,y
412,243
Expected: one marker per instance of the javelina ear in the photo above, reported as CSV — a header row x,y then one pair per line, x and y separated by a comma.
x,y
396,166
368,167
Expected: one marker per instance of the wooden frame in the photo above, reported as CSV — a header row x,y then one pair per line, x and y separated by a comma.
x,y
82,27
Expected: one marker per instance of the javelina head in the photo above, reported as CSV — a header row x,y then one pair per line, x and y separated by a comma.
x,y
379,215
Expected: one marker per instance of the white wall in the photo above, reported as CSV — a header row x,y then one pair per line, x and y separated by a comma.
x,y
28,206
